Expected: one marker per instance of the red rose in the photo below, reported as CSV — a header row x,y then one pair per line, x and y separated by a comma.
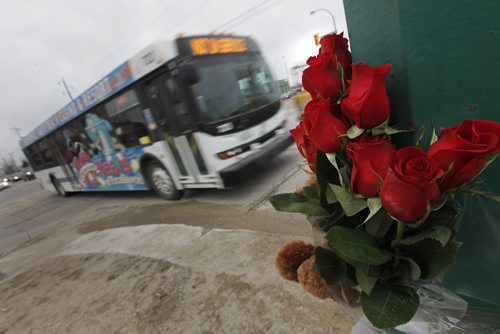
x,y
370,156
410,186
321,78
322,125
367,104
468,146
304,145
339,46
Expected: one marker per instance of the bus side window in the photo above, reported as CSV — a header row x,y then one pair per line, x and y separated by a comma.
x,y
180,109
34,158
159,112
125,115
62,146
48,159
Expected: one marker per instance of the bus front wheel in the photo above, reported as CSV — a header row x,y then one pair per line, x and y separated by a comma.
x,y
59,188
162,183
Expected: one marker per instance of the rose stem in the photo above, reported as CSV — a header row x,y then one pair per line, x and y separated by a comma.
x,y
399,235
400,231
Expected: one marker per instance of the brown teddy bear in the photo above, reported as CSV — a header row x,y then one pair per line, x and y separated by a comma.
x,y
295,260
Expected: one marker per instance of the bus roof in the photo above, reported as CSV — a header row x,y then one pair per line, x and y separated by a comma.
x,y
142,63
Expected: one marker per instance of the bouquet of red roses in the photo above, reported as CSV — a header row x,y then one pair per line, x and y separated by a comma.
x,y
384,213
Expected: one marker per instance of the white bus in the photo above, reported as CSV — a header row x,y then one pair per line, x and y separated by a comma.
x,y
196,113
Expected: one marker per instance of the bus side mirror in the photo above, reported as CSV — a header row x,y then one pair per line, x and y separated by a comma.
x,y
188,75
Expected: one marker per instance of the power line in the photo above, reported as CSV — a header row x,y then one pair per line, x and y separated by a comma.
x,y
258,12
260,4
122,46
190,13
139,33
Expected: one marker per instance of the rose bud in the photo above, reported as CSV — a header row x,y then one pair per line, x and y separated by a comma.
x,y
304,145
371,157
338,45
321,79
468,146
367,104
410,187
324,125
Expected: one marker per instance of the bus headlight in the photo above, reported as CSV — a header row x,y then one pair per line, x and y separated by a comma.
x,y
229,154
279,132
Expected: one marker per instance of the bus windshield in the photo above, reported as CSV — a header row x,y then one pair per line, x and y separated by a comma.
x,y
231,86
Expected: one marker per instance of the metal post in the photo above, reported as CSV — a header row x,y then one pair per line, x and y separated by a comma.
x,y
17,131
67,88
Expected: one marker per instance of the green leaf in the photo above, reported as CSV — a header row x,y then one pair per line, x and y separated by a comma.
x,y
325,174
481,193
344,178
326,222
420,138
330,196
332,157
348,201
379,224
447,171
443,199
329,266
441,215
374,204
297,203
354,132
380,129
357,245
384,128
392,131
415,272
440,233
311,192
431,257
365,281
434,137
390,306
340,70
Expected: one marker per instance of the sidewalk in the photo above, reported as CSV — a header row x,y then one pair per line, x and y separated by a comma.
x,y
165,279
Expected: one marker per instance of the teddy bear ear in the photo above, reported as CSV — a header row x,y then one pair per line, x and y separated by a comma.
x,y
291,256
310,281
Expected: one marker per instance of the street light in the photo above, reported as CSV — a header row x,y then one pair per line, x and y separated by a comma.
x,y
333,18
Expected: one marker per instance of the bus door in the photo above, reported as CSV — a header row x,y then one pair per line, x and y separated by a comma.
x,y
175,125
55,148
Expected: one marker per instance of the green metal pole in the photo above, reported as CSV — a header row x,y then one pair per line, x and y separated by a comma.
x,y
446,68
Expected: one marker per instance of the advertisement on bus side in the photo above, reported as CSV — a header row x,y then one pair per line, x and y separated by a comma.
x,y
100,162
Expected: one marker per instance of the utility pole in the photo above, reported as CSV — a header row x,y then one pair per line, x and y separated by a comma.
x,y
66,88
17,131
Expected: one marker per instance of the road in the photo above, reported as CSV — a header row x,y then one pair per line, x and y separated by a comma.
x,y
131,262
134,263
28,213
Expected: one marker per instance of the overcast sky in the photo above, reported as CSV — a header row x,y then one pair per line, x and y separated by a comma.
x,y
83,40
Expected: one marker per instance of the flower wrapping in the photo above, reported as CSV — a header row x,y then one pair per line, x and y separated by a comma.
x,y
382,216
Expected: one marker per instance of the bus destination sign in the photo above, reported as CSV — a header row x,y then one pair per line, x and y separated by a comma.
x,y
201,46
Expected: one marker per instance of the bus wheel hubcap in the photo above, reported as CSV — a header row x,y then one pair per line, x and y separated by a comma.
x,y
162,181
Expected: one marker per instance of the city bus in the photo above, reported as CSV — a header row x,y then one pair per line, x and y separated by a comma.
x,y
198,112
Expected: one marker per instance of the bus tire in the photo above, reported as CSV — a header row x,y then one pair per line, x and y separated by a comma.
x,y
58,186
161,182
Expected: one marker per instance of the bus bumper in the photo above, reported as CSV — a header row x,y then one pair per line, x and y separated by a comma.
x,y
240,170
